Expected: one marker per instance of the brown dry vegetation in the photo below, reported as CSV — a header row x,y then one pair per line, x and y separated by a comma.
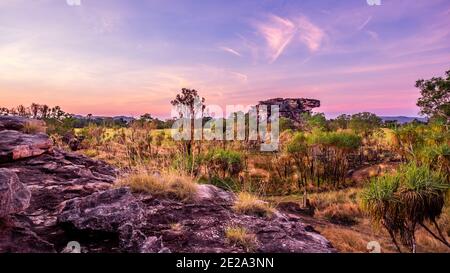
x,y
339,218
240,236
167,185
247,203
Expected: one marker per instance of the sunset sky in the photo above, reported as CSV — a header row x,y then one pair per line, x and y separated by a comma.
x,y
128,57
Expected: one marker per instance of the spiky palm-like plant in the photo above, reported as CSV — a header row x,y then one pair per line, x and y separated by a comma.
x,y
380,202
413,196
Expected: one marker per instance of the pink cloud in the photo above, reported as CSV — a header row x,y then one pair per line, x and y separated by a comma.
x,y
310,34
279,33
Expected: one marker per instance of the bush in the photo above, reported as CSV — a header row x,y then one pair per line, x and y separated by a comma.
x,y
340,140
239,236
167,186
249,204
224,163
32,127
228,184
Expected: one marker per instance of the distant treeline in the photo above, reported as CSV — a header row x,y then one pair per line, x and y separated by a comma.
x,y
55,115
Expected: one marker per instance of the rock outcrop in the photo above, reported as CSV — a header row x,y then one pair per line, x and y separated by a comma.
x,y
15,145
52,198
292,108
19,123
133,221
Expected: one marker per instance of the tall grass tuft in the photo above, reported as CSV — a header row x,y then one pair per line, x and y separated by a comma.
x,y
249,204
177,187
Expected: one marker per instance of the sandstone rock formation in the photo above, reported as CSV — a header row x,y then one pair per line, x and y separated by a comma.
x,y
73,198
15,145
14,196
292,108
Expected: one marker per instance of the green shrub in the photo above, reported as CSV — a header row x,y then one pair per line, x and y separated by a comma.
x,y
224,163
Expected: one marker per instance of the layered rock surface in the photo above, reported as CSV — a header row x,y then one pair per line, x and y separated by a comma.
x,y
55,197
15,145
14,196
292,108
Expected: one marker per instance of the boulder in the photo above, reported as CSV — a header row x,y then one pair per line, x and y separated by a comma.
x,y
209,192
14,196
105,211
15,145
19,123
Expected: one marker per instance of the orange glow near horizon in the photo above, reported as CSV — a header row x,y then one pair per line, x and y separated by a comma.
x,y
117,58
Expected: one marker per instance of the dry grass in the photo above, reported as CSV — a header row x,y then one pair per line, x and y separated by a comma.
x,y
356,240
346,240
335,209
176,226
249,204
239,236
323,200
169,186
426,243
33,127
90,153
344,214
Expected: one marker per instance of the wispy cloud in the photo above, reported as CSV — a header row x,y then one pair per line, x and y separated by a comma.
x,y
310,34
279,32
372,34
230,50
363,25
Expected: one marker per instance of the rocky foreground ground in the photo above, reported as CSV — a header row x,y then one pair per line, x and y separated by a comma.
x,y
49,197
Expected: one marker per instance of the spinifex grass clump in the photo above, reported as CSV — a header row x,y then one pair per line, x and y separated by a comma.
x,y
249,204
411,197
169,186
240,236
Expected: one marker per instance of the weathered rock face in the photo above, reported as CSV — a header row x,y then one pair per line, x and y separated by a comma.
x,y
15,145
14,196
292,108
142,223
30,166
53,179
72,199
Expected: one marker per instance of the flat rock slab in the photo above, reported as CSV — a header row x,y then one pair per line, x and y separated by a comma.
x,y
15,145
143,223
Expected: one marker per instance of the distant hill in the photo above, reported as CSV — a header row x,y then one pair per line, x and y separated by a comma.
x,y
402,119
124,119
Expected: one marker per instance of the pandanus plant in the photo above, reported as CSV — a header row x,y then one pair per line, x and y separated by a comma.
x,y
413,196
